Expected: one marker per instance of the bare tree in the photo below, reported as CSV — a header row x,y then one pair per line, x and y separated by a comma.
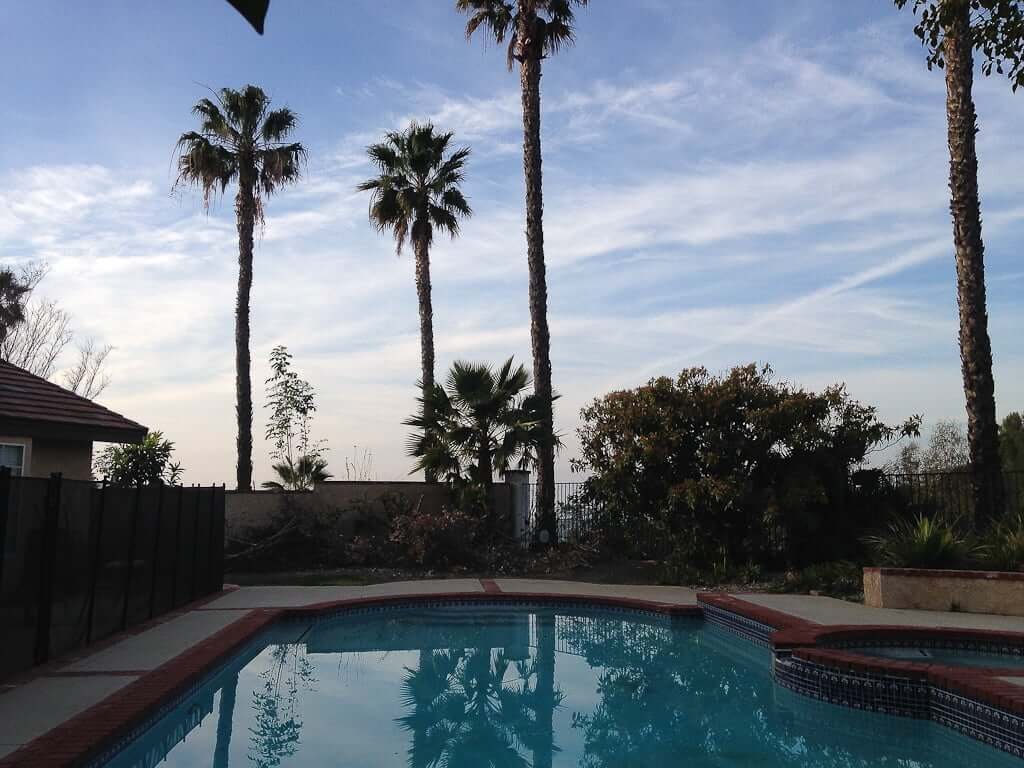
x,y
38,342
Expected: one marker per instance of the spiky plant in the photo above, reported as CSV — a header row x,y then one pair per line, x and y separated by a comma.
x,y
922,541
535,30
299,475
416,191
242,141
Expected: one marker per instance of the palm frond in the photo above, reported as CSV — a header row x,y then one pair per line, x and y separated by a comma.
x,y
278,125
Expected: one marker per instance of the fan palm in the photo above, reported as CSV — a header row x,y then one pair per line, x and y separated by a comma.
x,y
416,191
299,475
535,29
241,140
481,421
12,301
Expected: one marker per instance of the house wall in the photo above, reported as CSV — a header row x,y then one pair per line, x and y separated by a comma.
x,y
72,458
44,456
360,504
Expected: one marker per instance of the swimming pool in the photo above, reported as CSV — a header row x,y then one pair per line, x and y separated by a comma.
x,y
521,685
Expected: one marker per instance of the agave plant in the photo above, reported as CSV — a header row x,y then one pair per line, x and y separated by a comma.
x,y
924,541
1004,547
299,475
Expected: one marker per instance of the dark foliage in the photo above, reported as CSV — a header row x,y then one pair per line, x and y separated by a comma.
x,y
736,468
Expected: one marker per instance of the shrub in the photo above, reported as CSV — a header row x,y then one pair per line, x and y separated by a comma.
x,y
922,541
449,540
1003,548
734,468
840,578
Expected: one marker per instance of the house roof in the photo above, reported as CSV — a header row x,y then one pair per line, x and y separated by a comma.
x,y
32,406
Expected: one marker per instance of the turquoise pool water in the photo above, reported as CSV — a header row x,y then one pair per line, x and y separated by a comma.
x,y
470,687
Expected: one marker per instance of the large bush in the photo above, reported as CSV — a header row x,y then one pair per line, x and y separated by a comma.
x,y
738,467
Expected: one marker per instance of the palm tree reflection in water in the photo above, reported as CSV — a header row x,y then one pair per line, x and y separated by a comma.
x,y
479,707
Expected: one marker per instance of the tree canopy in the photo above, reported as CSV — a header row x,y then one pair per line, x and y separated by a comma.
x,y
997,32
146,463
759,468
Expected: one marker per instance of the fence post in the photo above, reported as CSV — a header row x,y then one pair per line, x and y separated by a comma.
x,y
195,547
47,566
177,547
211,543
97,554
5,512
131,556
156,549
519,492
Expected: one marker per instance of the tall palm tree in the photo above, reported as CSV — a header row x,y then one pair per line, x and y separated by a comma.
x,y
241,140
535,30
947,28
416,191
12,301
481,422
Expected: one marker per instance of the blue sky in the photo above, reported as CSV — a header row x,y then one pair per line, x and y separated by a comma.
x,y
724,183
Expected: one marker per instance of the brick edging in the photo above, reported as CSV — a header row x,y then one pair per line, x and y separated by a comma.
x,y
86,734
933,573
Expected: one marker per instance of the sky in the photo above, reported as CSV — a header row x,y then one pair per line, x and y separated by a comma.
x,y
724,183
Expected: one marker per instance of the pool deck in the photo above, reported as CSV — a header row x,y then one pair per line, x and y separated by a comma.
x,y
89,686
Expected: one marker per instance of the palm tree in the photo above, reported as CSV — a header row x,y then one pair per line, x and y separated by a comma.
x,y
481,421
241,139
299,475
951,35
12,301
535,30
416,191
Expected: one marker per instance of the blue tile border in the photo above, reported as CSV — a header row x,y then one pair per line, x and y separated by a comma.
x,y
891,694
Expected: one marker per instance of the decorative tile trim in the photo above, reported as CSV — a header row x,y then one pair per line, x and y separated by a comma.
x,y
751,630
908,695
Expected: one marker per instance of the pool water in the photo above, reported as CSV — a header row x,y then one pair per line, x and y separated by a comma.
x,y
473,686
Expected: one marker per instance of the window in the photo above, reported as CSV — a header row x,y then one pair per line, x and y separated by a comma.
x,y
12,456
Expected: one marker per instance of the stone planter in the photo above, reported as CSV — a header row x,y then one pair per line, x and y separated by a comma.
x,y
1000,592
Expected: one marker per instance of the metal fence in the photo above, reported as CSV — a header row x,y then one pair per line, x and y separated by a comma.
x,y
951,493
80,561
948,493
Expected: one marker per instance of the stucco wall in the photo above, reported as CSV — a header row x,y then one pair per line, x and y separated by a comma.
x,y
934,590
360,502
73,458
44,456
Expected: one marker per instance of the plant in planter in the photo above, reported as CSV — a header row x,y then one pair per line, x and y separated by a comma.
x,y
923,541
1003,548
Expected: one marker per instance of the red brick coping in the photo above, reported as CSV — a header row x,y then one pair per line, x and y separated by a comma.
x,y
810,641
88,733
933,573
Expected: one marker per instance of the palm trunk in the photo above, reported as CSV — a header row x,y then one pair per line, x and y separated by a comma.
x,y
545,747
530,71
225,717
975,347
485,467
426,333
245,213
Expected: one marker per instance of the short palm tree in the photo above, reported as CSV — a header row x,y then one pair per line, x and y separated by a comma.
x,y
12,301
302,474
481,421
241,140
416,191
535,30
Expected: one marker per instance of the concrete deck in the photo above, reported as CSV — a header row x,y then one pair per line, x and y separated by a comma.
x,y
32,708
828,610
